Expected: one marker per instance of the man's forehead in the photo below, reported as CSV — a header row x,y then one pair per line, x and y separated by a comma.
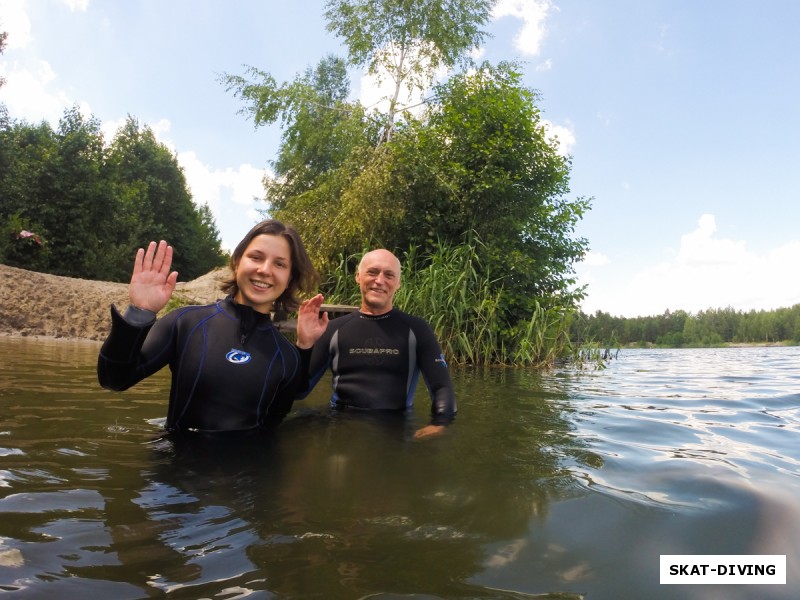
x,y
380,260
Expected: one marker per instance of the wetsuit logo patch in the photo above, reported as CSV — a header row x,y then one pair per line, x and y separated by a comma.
x,y
441,360
238,357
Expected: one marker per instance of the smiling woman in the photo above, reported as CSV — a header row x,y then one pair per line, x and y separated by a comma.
x,y
232,370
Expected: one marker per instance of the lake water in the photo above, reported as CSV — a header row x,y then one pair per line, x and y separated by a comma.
x,y
558,485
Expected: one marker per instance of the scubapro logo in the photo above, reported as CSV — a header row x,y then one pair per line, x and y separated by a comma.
x,y
238,357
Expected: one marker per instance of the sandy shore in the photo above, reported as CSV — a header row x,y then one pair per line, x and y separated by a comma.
x,y
40,305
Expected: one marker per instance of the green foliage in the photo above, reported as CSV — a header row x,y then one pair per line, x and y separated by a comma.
x,y
408,41
480,162
52,180
21,246
93,205
158,205
679,329
320,126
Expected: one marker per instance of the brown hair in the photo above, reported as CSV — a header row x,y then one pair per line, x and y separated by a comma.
x,y
304,277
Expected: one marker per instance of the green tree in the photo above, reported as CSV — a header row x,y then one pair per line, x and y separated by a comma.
x,y
320,126
24,153
409,41
323,130
485,165
157,203
68,196
90,206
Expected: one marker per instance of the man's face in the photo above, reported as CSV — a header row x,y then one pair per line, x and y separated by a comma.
x,y
378,276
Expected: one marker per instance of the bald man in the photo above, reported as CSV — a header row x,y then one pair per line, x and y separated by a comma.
x,y
377,353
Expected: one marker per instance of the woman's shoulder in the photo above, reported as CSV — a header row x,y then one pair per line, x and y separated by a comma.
x,y
193,312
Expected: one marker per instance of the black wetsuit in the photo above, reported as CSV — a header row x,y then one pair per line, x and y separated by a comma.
x,y
231,368
376,361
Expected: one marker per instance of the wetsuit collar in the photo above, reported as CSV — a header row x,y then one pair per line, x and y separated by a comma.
x,y
249,319
370,317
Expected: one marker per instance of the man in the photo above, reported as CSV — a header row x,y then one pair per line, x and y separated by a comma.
x,y
377,353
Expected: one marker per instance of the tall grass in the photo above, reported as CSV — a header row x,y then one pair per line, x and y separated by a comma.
x,y
463,302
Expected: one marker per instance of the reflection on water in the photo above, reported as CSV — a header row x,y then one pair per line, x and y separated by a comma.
x,y
555,485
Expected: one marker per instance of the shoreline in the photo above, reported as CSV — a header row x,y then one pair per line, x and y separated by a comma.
x,y
41,306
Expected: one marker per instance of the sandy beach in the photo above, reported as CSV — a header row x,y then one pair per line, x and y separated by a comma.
x,y
41,305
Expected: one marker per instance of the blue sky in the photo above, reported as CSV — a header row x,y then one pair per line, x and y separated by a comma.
x,y
682,119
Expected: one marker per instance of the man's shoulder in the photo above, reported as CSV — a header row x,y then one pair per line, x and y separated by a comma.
x,y
412,321
417,324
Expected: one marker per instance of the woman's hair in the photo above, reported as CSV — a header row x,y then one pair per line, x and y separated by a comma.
x,y
303,278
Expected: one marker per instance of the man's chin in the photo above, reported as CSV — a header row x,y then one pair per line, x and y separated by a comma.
x,y
378,307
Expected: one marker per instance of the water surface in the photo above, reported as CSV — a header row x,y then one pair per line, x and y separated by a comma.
x,y
549,485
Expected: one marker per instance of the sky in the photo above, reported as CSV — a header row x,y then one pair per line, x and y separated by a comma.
x,y
681,119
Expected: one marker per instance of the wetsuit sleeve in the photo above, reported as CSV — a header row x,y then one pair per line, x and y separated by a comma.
x,y
319,359
124,360
303,386
437,377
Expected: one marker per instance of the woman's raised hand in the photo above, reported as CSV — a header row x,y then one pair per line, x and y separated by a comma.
x,y
310,326
152,282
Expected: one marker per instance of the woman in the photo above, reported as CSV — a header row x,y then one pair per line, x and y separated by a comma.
x,y
232,371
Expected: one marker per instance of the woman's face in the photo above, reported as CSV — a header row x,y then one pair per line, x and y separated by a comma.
x,y
264,272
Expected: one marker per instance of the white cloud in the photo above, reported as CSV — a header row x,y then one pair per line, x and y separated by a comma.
x,y
533,14
27,92
233,195
700,249
595,259
705,272
476,54
77,5
14,20
214,187
109,129
563,135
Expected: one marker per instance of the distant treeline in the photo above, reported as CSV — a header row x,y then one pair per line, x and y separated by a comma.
x,y
679,329
73,205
